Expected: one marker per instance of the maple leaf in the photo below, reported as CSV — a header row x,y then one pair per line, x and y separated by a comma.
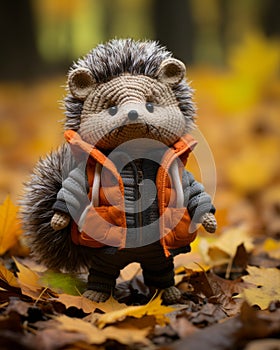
x,y
10,227
79,302
153,308
265,286
95,335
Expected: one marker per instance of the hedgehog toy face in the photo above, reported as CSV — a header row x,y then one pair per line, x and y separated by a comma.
x,y
127,90
129,107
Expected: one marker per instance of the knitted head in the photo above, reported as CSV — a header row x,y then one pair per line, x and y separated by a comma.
x,y
125,90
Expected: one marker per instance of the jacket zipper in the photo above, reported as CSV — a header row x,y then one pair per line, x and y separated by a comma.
x,y
139,198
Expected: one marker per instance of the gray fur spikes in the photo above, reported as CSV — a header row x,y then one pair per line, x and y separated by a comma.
x,y
120,56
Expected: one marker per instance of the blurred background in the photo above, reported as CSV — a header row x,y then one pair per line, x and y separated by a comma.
x,y
232,53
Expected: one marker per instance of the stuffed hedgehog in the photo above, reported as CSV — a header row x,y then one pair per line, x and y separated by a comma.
x,y
117,190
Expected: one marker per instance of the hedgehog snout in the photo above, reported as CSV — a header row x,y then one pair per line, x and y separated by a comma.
x,y
132,115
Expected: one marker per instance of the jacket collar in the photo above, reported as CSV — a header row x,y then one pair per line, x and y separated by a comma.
x,y
180,148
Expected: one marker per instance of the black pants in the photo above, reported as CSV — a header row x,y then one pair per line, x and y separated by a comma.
x,y
158,271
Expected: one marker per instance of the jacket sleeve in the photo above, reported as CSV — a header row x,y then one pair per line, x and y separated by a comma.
x,y
72,197
197,201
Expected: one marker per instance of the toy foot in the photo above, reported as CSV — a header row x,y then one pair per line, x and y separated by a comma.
x,y
93,295
171,295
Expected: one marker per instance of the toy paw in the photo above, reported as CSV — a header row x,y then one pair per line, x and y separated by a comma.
x,y
96,296
171,295
209,222
60,221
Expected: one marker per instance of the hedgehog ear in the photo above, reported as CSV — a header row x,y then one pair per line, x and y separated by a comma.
x,y
171,71
80,82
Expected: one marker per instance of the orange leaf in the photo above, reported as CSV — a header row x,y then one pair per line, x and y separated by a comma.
x,y
10,228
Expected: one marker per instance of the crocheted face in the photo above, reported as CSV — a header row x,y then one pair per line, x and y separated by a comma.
x,y
130,106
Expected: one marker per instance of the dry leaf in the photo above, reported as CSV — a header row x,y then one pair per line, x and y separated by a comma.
x,y
111,305
95,335
10,228
79,302
153,308
265,286
224,248
8,277
272,247
28,281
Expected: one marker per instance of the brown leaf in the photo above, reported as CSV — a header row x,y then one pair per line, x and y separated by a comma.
x,y
79,302
183,327
224,291
55,338
264,344
95,335
232,333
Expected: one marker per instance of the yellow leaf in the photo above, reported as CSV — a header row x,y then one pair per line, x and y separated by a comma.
x,y
28,281
266,286
224,248
111,305
95,335
272,247
10,228
153,308
8,277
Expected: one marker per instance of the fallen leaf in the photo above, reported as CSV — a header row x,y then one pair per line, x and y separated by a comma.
x,y
54,338
10,227
261,344
233,332
79,302
153,308
28,281
8,277
111,305
224,248
62,282
183,326
272,247
265,286
96,335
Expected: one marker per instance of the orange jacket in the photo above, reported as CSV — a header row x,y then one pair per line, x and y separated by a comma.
x,y
105,224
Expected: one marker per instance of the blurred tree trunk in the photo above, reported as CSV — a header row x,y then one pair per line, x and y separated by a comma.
x,y
270,17
19,57
174,27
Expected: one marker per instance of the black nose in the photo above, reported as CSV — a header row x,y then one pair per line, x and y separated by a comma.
x,y
132,115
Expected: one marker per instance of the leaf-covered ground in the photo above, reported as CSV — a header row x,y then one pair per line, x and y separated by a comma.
x,y
230,282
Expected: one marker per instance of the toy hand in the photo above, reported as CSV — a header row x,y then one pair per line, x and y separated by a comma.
x,y
209,222
60,221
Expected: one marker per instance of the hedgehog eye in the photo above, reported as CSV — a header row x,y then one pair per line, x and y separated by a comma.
x,y
150,107
113,110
